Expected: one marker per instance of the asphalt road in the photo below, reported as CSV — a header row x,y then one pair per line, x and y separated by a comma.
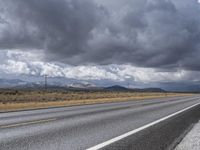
x,y
83,127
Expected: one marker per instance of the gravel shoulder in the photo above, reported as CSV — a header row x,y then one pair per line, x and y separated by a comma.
x,y
192,140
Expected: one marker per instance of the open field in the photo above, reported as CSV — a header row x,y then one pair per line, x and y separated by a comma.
x,y
22,99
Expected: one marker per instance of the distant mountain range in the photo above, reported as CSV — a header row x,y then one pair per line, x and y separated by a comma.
x,y
82,85
116,88
121,88
9,83
55,84
20,84
16,83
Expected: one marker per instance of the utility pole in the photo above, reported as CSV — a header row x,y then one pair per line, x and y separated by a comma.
x,y
128,85
45,82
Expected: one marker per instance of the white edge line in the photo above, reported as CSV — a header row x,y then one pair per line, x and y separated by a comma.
x,y
99,146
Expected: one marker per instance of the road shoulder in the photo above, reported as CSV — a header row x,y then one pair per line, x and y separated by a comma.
x,y
192,140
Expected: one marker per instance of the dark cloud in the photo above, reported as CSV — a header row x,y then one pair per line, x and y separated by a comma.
x,y
57,26
149,33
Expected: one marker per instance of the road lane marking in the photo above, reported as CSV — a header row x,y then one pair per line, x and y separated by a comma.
x,y
106,143
27,123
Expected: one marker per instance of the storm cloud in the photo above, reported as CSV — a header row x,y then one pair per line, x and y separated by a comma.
x,y
160,34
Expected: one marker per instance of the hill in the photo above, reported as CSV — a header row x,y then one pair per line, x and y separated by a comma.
x,y
116,88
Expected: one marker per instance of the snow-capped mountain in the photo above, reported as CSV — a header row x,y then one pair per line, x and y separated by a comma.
x,y
83,85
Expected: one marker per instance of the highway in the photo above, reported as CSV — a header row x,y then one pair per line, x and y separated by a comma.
x,y
145,124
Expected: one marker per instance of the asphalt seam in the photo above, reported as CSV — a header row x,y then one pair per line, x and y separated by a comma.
x,y
27,123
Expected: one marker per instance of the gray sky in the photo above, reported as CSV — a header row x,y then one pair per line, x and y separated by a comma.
x,y
140,40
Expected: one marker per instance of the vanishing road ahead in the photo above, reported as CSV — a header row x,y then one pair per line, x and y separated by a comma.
x,y
148,124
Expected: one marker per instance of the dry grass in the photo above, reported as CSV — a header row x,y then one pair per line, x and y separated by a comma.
x,y
17,100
